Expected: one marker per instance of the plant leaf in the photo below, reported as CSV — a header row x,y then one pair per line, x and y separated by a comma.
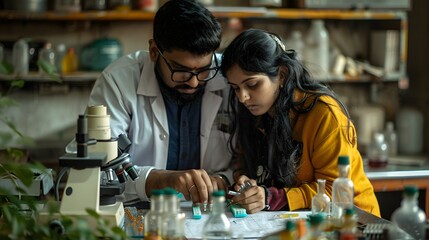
x,y
16,170
17,84
50,69
6,67
6,102
12,126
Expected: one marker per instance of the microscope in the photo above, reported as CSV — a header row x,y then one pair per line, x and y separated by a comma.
x,y
91,182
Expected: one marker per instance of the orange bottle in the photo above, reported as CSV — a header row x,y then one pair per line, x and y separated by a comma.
x,y
70,62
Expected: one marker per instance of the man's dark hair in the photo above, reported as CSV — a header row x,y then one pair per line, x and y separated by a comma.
x,y
186,25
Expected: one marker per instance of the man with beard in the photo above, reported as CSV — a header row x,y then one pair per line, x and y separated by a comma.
x,y
169,102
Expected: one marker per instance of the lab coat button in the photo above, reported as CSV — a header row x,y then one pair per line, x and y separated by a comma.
x,y
162,137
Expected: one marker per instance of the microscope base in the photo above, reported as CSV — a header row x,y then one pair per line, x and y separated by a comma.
x,y
114,214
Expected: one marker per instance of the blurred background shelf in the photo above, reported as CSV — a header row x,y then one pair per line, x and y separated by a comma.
x,y
80,76
83,76
220,12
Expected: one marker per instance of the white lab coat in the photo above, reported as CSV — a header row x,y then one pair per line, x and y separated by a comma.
x,y
129,89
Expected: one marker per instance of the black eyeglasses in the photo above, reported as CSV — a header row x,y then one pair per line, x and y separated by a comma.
x,y
181,76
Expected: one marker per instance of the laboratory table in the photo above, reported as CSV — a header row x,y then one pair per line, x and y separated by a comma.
x,y
365,221
399,172
393,177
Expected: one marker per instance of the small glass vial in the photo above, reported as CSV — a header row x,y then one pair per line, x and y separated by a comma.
x,y
173,219
46,61
350,222
153,218
69,63
290,232
317,226
60,52
391,139
217,225
321,202
378,152
342,192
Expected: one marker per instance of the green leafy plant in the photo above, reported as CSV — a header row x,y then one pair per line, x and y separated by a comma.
x,y
7,136
19,220
19,214
6,67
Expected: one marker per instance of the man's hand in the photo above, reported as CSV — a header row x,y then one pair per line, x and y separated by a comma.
x,y
219,183
194,184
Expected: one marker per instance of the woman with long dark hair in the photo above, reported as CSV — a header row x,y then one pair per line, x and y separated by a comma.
x,y
287,129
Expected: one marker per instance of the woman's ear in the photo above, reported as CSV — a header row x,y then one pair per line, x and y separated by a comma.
x,y
153,50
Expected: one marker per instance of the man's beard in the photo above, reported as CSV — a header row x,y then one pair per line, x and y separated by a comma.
x,y
185,97
180,97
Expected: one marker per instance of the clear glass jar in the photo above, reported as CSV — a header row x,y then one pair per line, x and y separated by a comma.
x,y
321,203
21,57
409,217
173,226
217,225
153,218
316,54
378,151
46,61
391,139
342,192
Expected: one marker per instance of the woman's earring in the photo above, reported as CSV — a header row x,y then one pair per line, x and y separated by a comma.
x,y
281,86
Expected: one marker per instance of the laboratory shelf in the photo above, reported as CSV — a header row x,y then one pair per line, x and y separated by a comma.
x,y
83,76
381,19
68,78
220,12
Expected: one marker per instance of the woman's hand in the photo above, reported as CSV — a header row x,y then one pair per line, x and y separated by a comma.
x,y
252,199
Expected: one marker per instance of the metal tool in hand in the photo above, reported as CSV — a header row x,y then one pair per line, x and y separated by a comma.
x,y
242,189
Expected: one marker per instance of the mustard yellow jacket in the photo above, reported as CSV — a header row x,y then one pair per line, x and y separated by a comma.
x,y
326,134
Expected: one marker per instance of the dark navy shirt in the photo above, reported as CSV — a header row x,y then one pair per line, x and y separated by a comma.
x,y
184,128
184,118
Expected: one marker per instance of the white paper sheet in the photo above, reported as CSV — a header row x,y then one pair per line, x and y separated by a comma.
x,y
253,226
